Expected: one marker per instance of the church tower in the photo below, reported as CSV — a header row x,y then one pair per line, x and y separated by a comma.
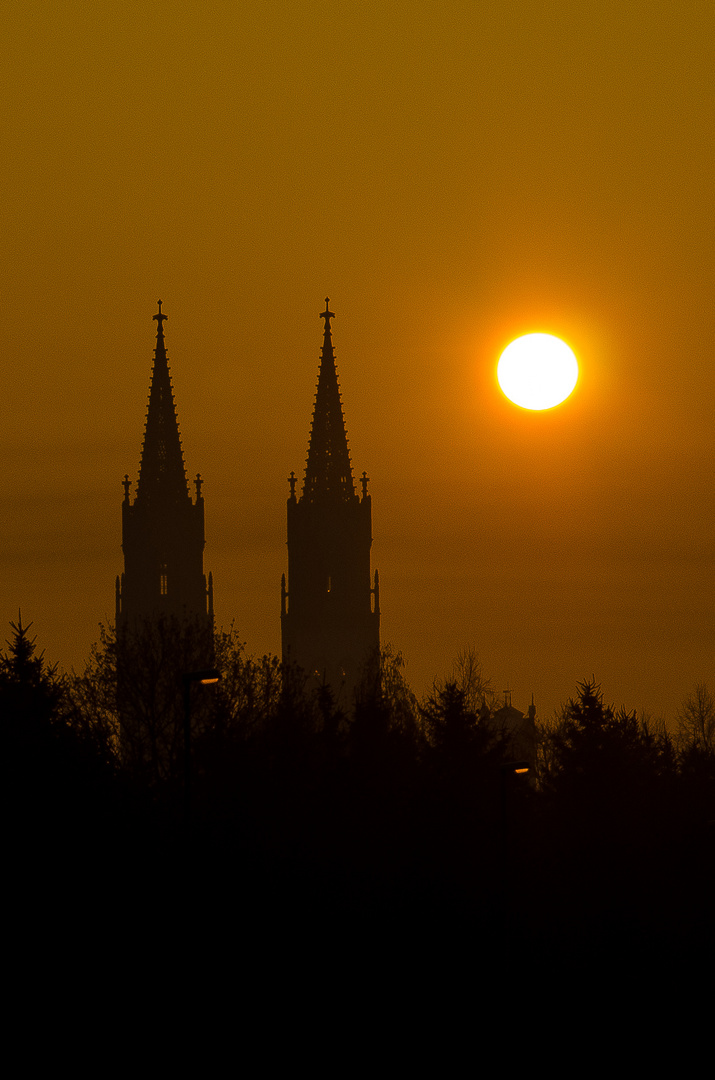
x,y
330,610
162,528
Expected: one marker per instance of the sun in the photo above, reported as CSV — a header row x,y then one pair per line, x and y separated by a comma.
x,y
537,371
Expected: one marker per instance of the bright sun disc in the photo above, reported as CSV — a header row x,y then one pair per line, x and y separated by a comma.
x,y
537,371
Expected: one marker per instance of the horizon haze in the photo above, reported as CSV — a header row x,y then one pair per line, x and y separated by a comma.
x,y
452,176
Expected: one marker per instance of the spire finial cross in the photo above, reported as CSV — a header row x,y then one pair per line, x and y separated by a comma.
x,y
160,316
327,314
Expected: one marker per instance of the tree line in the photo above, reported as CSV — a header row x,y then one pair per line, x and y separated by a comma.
x,y
366,809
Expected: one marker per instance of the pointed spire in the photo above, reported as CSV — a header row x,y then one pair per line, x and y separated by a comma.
x,y
162,476
328,472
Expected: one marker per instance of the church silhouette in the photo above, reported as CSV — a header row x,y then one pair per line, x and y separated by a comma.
x,y
163,528
330,610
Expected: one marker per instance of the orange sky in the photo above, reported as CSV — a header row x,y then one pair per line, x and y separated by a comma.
x,y
451,175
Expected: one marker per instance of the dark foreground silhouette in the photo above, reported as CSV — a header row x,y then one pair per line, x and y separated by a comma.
x,y
399,826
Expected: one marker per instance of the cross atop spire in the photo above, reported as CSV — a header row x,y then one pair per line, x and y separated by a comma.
x,y
162,476
160,316
328,471
330,610
327,315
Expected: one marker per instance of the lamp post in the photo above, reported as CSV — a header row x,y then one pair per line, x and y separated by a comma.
x,y
509,768
207,677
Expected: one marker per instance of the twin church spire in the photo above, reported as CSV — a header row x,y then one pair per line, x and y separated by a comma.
x,y
330,611
162,474
328,472
330,614
162,528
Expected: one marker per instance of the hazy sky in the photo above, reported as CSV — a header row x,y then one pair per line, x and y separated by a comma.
x,y
451,175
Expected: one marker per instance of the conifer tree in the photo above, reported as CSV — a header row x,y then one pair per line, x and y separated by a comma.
x,y
30,691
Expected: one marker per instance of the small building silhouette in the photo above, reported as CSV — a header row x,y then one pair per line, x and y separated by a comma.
x,y
162,528
330,608
518,730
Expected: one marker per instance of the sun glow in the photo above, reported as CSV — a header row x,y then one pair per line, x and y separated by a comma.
x,y
537,371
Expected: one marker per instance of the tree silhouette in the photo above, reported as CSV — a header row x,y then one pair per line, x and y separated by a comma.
x,y
696,721
131,693
58,780
31,691
468,675
607,839
598,753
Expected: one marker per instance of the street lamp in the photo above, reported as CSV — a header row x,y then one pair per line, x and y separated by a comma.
x,y
509,768
516,767
206,677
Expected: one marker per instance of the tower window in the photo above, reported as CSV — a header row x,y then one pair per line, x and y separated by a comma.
x,y
163,581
